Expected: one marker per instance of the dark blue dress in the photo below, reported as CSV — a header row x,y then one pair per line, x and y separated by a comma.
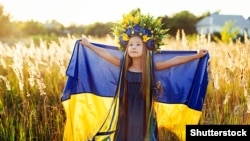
x,y
136,106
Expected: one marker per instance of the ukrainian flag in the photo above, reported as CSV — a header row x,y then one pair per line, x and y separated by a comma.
x,y
90,102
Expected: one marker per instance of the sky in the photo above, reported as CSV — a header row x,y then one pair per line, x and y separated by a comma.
x,y
90,11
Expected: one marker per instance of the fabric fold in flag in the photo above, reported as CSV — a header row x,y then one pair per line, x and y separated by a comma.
x,y
92,81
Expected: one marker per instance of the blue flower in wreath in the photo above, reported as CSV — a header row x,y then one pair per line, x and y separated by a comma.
x,y
129,32
150,44
147,32
137,29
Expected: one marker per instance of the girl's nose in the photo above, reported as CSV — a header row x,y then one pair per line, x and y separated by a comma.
x,y
134,47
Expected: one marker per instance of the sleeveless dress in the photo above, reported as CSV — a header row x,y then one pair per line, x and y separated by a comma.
x,y
136,106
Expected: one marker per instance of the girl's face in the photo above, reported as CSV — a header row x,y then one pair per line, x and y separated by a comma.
x,y
135,47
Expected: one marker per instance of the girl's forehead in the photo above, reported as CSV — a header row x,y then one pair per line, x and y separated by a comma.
x,y
135,39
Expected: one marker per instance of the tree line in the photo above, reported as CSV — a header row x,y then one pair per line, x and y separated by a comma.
x,y
53,29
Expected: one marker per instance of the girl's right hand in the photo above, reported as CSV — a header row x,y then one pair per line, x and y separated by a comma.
x,y
202,52
85,42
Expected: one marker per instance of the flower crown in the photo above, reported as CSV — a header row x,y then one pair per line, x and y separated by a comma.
x,y
145,26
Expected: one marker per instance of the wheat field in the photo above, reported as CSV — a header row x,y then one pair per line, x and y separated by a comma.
x,y
32,79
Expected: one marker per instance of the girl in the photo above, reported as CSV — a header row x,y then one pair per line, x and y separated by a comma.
x,y
136,116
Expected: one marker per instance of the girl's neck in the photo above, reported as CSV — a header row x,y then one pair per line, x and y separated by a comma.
x,y
136,66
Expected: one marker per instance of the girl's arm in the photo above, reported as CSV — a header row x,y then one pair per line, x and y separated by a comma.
x,y
179,60
102,52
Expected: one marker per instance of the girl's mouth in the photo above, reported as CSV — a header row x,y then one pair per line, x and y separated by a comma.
x,y
133,51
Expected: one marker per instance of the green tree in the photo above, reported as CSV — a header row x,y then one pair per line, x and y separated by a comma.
x,y
76,30
183,20
98,29
32,27
229,31
5,24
